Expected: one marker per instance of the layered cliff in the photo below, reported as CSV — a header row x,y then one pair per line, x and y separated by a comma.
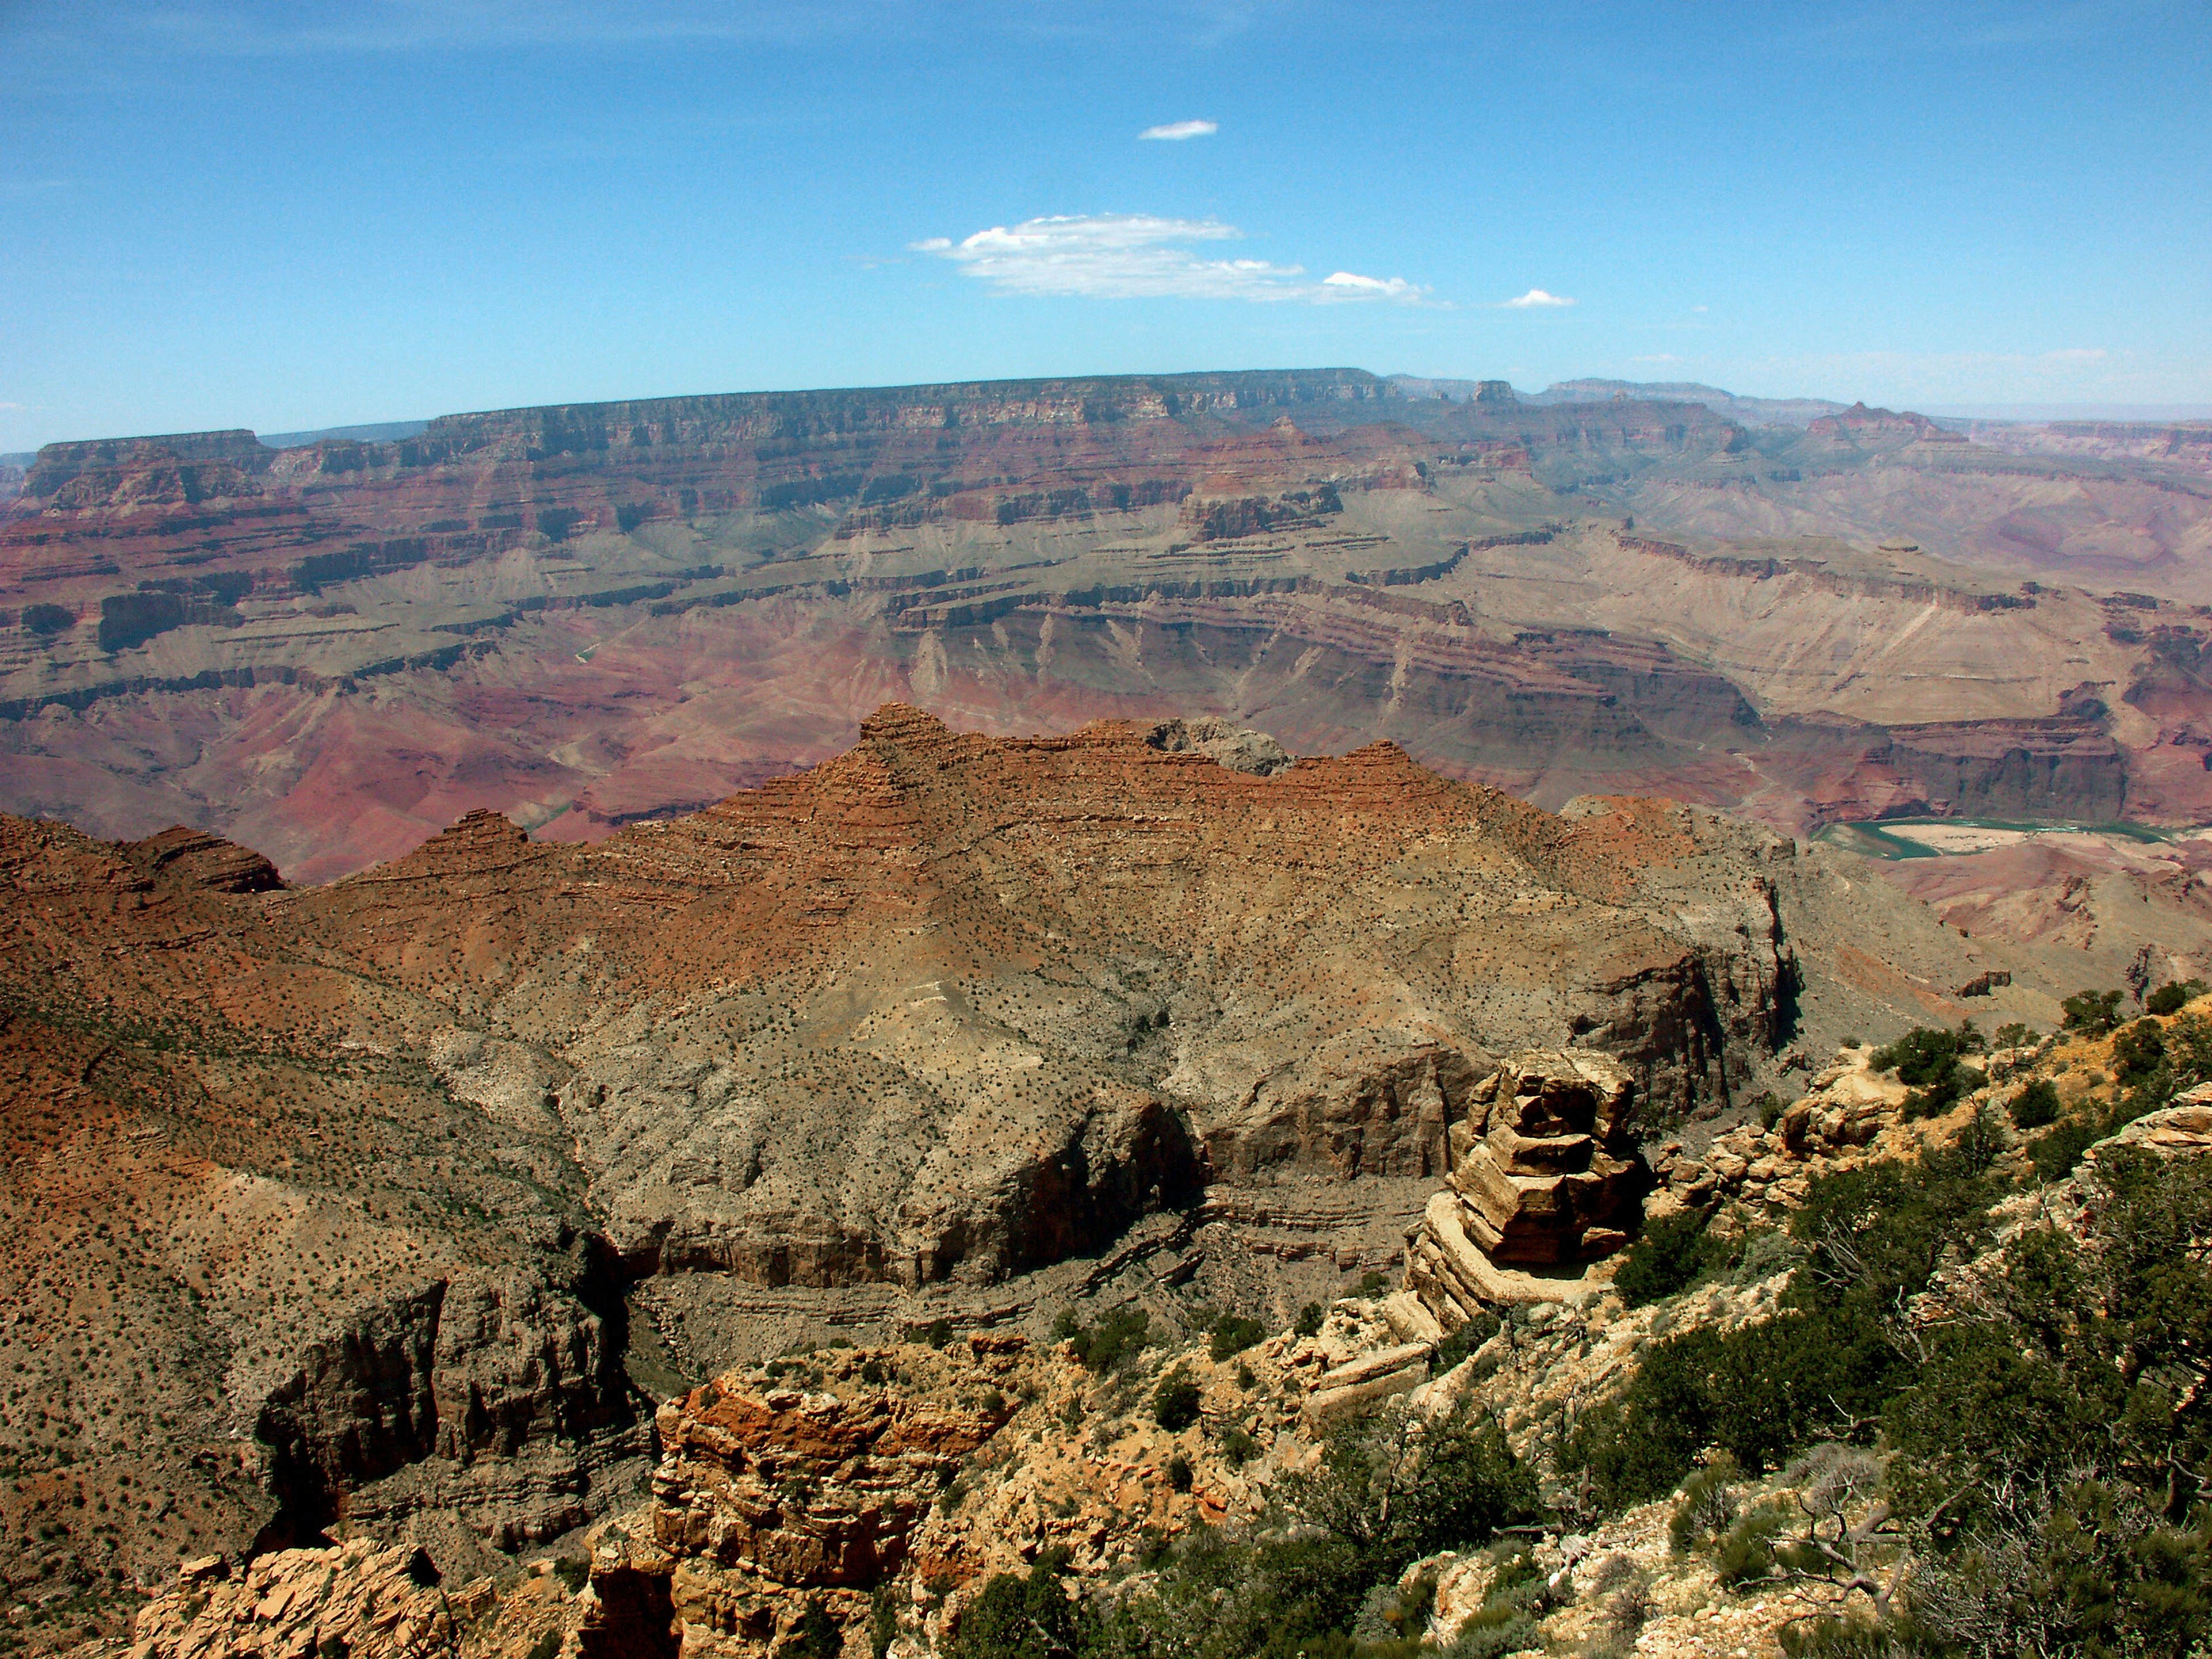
x,y
592,615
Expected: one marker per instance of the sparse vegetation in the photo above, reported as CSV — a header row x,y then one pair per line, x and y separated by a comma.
x,y
1120,1334
1928,1060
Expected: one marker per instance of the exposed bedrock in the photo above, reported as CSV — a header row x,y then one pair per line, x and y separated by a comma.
x,y
706,1170
809,1489
500,1397
1545,1161
1337,1116
1545,1176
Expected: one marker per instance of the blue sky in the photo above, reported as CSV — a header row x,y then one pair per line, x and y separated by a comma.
x,y
292,215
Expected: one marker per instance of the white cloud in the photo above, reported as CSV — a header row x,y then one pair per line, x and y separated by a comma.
x,y
2070,354
1136,256
1661,357
1177,131
1380,288
1534,298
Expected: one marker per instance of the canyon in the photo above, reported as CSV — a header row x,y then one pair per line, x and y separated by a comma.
x,y
513,928
583,617
392,1206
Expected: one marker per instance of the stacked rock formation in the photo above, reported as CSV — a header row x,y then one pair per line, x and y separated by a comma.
x,y
1544,1175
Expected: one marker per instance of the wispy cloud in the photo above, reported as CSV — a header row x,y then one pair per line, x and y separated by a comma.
x,y
1136,256
1535,299
1175,132
1661,358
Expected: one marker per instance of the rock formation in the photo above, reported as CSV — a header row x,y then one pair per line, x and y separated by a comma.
x,y
1544,1174
392,1205
588,615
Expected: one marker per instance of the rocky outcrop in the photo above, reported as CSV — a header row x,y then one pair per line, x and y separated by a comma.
x,y
1545,1163
358,1599
1224,743
811,1489
1349,1111
1849,1113
1544,1174
208,861
506,1393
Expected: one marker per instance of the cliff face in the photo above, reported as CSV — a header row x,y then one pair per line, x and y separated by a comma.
x,y
603,613
379,1207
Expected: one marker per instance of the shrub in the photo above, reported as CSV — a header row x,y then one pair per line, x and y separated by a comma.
x,y
1309,1318
1179,1472
2036,1105
1373,1283
1231,1335
1459,1343
2013,1034
2173,996
1119,1337
1174,1403
44,619
2091,1013
816,1636
1021,1618
2055,1154
1665,1259
1926,1060
630,515
1488,1635
1746,1551
1708,1506
2137,1052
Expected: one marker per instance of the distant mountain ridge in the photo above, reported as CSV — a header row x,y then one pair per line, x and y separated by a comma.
x,y
1752,411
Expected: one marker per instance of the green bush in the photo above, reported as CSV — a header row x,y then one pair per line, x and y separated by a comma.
x,y
1825,1363
1231,1335
1174,1403
1120,1334
1926,1060
2036,1105
2173,996
816,1636
1745,1551
1309,1318
2055,1154
1459,1343
1669,1256
1707,1508
1025,1617
2091,1013
2137,1052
